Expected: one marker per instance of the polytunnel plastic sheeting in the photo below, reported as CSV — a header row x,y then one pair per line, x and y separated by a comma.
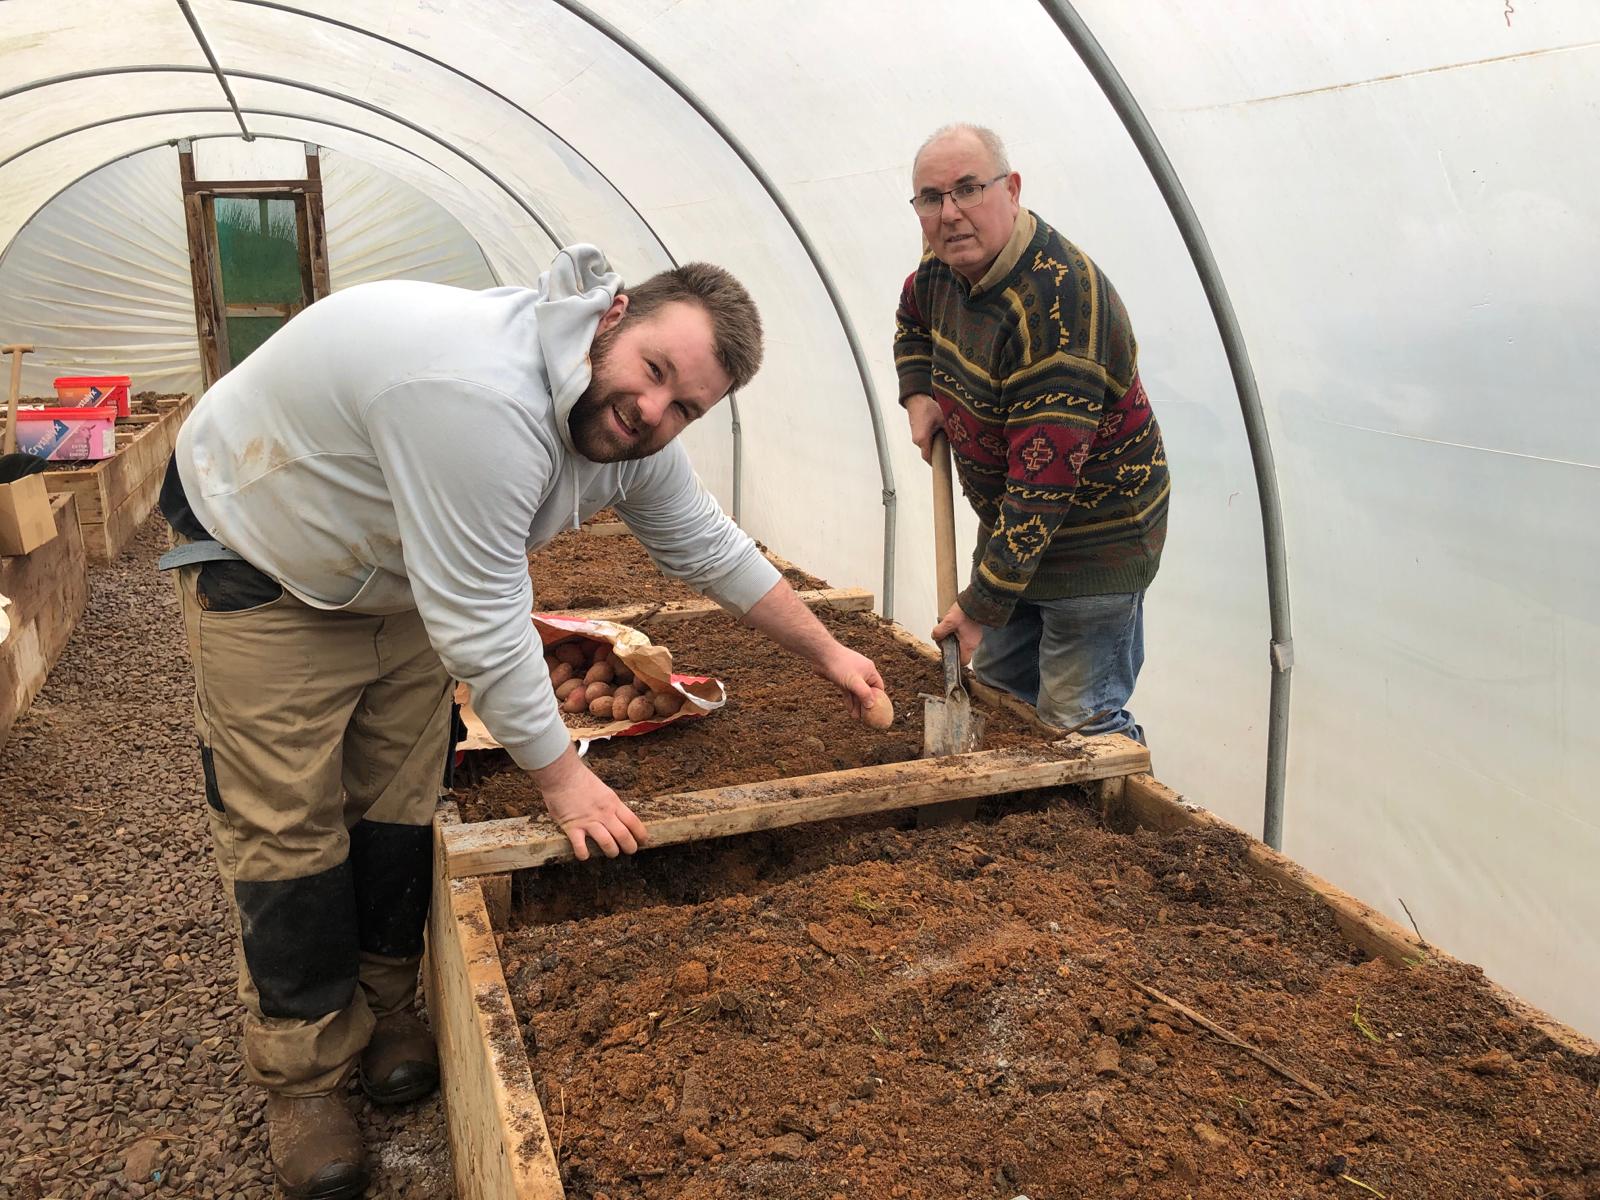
x,y
1394,202
381,229
1407,234
100,277
513,243
100,282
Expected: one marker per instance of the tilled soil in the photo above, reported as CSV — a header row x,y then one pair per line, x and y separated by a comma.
x,y
117,996
780,721
581,570
853,1011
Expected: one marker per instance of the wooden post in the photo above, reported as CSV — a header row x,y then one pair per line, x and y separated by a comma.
x,y
316,228
16,352
202,273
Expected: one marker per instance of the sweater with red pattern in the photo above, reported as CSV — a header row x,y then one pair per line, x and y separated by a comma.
x,y
1035,370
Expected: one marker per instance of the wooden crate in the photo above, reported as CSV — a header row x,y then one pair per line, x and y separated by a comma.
x,y
47,590
499,1142
117,494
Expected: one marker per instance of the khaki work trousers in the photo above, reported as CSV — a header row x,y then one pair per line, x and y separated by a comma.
x,y
323,741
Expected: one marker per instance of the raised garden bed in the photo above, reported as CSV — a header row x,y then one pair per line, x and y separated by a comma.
x,y
780,720
1091,989
1034,1002
47,589
115,495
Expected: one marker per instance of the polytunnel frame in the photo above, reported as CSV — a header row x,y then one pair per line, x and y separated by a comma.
x,y
192,110
1116,91
797,226
736,426
238,112
885,468
1121,98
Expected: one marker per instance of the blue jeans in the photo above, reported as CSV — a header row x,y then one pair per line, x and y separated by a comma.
x,y
1070,658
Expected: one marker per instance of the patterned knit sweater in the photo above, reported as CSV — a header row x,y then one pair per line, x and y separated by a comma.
x,y
1035,369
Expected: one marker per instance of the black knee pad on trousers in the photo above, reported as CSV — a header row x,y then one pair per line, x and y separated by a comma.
x,y
300,941
393,867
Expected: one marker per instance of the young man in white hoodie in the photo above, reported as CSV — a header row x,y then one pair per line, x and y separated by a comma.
x,y
355,505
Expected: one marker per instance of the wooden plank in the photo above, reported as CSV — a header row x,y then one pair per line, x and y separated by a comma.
x,y
496,897
249,187
605,529
83,484
126,471
494,846
1153,805
285,310
48,589
499,1145
210,325
105,541
316,228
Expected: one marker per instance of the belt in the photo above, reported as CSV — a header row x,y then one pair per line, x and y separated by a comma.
x,y
202,551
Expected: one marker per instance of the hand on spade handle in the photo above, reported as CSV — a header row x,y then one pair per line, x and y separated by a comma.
x,y
963,628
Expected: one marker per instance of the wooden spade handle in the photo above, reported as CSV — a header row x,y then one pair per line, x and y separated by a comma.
x,y
944,525
16,352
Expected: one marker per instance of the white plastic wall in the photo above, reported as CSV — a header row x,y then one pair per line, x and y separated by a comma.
x,y
1401,201
99,280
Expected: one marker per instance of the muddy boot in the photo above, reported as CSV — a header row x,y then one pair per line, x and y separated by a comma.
x,y
316,1147
400,1063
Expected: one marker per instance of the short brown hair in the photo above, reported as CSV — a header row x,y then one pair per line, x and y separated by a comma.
x,y
735,323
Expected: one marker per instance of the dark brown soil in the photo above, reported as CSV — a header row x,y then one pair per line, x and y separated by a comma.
x,y
847,1011
780,720
139,402
580,570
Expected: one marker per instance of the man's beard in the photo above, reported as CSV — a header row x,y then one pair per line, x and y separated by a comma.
x,y
590,422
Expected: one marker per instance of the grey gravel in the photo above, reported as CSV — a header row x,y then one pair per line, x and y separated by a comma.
x,y
118,1021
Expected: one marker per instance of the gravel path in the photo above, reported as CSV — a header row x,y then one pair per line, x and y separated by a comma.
x,y
119,1058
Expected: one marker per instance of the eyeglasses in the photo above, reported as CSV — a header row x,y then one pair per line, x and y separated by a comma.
x,y
966,195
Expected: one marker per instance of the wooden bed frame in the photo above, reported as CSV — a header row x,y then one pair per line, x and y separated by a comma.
x,y
117,494
500,1145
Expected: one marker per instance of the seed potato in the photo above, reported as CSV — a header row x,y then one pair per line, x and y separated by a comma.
x,y
879,713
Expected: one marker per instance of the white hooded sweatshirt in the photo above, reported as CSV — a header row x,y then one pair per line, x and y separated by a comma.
x,y
405,445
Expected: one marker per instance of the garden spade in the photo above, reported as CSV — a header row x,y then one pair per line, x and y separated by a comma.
x,y
949,725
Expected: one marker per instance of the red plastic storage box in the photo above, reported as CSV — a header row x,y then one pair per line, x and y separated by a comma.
x,y
92,391
79,434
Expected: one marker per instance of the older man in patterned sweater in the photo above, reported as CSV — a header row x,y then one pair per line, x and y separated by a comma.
x,y
1010,340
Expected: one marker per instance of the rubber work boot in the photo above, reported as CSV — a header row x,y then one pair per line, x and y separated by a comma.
x,y
316,1147
400,1063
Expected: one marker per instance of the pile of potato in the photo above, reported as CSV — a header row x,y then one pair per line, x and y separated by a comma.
x,y
590,678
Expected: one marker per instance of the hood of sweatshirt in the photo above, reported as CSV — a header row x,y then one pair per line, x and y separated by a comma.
x,y
573,295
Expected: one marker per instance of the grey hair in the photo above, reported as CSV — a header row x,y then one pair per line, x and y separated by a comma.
x,y
990,139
